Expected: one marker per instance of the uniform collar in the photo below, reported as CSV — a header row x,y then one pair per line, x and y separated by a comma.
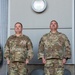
x,y
18,36
54,33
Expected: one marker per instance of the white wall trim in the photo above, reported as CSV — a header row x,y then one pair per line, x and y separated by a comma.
x,y
8,18
73,32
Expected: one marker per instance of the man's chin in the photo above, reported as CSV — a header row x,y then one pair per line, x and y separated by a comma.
x,y
18,32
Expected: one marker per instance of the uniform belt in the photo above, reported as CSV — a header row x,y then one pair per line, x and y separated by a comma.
x,y
18,62
53,58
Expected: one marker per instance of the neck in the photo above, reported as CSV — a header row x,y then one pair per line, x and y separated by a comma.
x,y
18,34
54,31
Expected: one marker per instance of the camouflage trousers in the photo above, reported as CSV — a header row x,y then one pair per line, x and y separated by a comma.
x,y
54,67
17,68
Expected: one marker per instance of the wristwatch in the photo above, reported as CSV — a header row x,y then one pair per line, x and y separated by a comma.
x,y
39,5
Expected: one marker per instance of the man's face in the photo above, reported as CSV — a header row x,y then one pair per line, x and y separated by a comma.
x,y
53,25
18,28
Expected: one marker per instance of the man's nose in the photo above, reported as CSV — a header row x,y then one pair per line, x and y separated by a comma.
x,y
17,28
53,25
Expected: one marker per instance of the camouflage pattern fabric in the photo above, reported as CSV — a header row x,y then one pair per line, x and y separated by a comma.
x,y
17,68
54,67
54,45
18,48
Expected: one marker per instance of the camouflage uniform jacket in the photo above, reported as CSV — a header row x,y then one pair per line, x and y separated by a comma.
x,y
18,48
54,45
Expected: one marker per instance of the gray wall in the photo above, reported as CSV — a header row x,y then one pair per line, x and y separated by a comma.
x,y
3,21
3,30
74,29
61,10
37,24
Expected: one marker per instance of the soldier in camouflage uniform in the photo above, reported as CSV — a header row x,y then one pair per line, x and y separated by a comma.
x,y
54,49
18,51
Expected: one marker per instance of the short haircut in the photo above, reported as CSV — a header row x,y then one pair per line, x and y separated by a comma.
x,y
19,23
54,21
